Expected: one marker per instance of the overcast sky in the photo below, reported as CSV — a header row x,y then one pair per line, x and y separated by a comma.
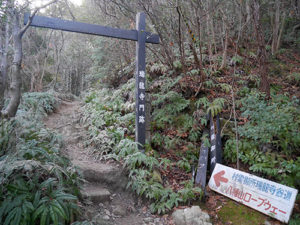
x,y
39,2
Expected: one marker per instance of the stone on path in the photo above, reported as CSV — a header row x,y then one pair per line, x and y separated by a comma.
x,y
96,194
190,216
119,211
102,173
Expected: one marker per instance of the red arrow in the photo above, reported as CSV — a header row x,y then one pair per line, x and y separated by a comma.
x,y
218,178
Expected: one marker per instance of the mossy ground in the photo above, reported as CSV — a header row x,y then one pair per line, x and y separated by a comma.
x,y
237,214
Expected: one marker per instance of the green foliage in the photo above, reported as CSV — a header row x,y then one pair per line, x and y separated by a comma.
x,y
158,68
216,106
7,128
294,79
37,184
177,65
189,192
209,84
157,139
236,60
276,123
38,103
194,72
167,107
195,133
295,220
37,197
243,91
184,164
225,87
270,140
202,102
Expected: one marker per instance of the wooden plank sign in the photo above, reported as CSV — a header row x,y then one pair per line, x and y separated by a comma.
x,y
85,28
273,199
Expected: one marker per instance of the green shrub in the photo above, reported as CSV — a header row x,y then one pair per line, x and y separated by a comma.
x,y
38,186
270,140
38,103
276,122
7,135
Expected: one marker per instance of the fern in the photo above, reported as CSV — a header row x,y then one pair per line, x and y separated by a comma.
x,y
7,133
139,159
225,87
158,68
170,104
209,84
184,164
216,106
202,102
189,192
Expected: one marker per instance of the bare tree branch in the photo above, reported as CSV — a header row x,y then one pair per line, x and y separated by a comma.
x,y
22,31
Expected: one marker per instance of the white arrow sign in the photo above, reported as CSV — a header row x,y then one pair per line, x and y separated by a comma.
x,y
273,199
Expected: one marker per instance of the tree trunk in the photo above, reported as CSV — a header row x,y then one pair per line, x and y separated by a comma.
x,y
180,42
16,81
17,33
58,51
223,64
276,25
40,85
4,64
262,54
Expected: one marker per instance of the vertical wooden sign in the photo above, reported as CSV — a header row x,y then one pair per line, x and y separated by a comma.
x,y
219,142
202,166
140,86
215,141
213,147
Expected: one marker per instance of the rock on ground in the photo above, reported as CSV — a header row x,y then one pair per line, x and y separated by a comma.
x,y
191,216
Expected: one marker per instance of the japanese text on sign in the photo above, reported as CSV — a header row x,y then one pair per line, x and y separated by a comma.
x,y
262,186
270,198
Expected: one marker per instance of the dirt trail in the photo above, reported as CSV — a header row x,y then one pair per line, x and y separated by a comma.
x,y
106,202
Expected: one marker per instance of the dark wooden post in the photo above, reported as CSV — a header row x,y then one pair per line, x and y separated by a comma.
x,y
219,142
213,143
200,179
140,88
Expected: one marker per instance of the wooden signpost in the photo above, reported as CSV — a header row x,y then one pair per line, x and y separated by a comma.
x,y
139,35
273,199
200,179
215,153
215,142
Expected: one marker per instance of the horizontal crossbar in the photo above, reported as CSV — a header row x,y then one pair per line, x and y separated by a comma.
x,y
85,28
